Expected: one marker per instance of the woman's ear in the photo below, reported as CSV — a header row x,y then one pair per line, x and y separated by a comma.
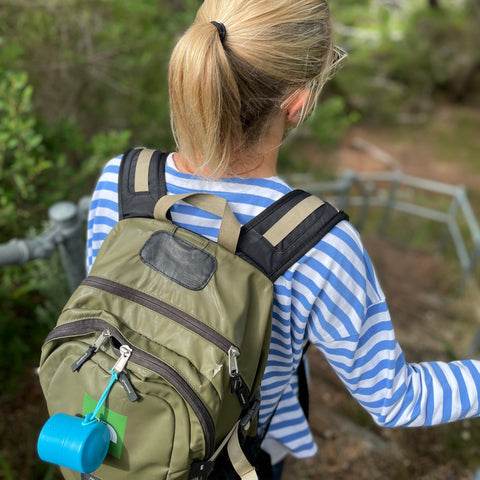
x,y
294,106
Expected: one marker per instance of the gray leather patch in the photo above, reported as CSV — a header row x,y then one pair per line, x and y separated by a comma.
x,y
179,260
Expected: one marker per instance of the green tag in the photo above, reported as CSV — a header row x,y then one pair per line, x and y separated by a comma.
x,y
117,424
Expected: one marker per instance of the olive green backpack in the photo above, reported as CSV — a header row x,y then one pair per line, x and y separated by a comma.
x,y
185,323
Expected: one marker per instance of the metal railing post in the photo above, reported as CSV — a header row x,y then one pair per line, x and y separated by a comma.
x,y
390,205
367,191
453,212
65,216
347,180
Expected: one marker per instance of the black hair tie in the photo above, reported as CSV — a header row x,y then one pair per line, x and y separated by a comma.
x,y
222,31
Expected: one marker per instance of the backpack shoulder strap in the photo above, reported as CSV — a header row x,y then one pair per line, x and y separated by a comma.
x,y
285,231
272,241
141,182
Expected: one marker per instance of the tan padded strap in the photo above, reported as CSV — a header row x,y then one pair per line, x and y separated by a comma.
x,y
229,228
141,170
292,219
242,466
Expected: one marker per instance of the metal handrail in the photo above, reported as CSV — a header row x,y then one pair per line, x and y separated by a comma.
x,y
340,193
65,232
67,219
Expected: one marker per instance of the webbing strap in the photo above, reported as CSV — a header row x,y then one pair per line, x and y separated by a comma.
x,y
141,170
270,247
239,461
245,470
229,228
224,442
292,219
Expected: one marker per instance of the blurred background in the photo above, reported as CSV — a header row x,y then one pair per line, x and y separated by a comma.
x,y
395,141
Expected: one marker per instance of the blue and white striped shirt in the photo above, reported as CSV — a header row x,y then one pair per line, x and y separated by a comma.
x,y
330,297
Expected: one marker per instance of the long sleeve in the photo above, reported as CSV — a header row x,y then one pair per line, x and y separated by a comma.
x,y
103,213
350,323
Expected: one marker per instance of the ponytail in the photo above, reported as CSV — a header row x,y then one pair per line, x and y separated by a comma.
x,y
225,85
204,100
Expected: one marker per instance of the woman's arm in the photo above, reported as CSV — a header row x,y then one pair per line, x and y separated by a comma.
x,y
351,324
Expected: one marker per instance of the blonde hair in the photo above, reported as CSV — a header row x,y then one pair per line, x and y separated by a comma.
x,y
223,93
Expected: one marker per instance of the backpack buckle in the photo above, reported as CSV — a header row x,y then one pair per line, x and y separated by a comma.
x,y
201,470
251,413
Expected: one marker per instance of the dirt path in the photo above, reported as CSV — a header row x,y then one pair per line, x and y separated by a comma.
x,y
447,149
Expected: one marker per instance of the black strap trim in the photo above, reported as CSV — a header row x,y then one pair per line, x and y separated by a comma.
x,y
252,246
201,470
140,204
274,261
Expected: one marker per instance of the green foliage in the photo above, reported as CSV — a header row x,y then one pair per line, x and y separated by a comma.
x,y
39,165
78,159
441,57
31,299
323,130
403,59
22,157
331,120
5,468
102,64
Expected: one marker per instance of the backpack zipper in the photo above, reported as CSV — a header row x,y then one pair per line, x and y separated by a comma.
x,y
238,384
91,350
163,308
144,359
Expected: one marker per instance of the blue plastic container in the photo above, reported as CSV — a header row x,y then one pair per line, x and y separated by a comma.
x,y
74,443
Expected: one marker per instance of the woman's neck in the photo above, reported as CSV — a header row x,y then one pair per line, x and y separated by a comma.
x,y
258,162
244,167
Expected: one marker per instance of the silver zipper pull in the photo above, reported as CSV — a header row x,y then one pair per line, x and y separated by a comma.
x,y
125,353
91,350
101,339
119,369
233,354
237,383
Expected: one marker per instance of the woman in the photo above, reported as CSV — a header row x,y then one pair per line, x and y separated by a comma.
x,y
243,74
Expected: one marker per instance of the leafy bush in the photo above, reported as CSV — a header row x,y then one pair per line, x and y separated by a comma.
x,y
440,49
102,64
31,298
22,156
331,121
39,165
404,58
323,131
